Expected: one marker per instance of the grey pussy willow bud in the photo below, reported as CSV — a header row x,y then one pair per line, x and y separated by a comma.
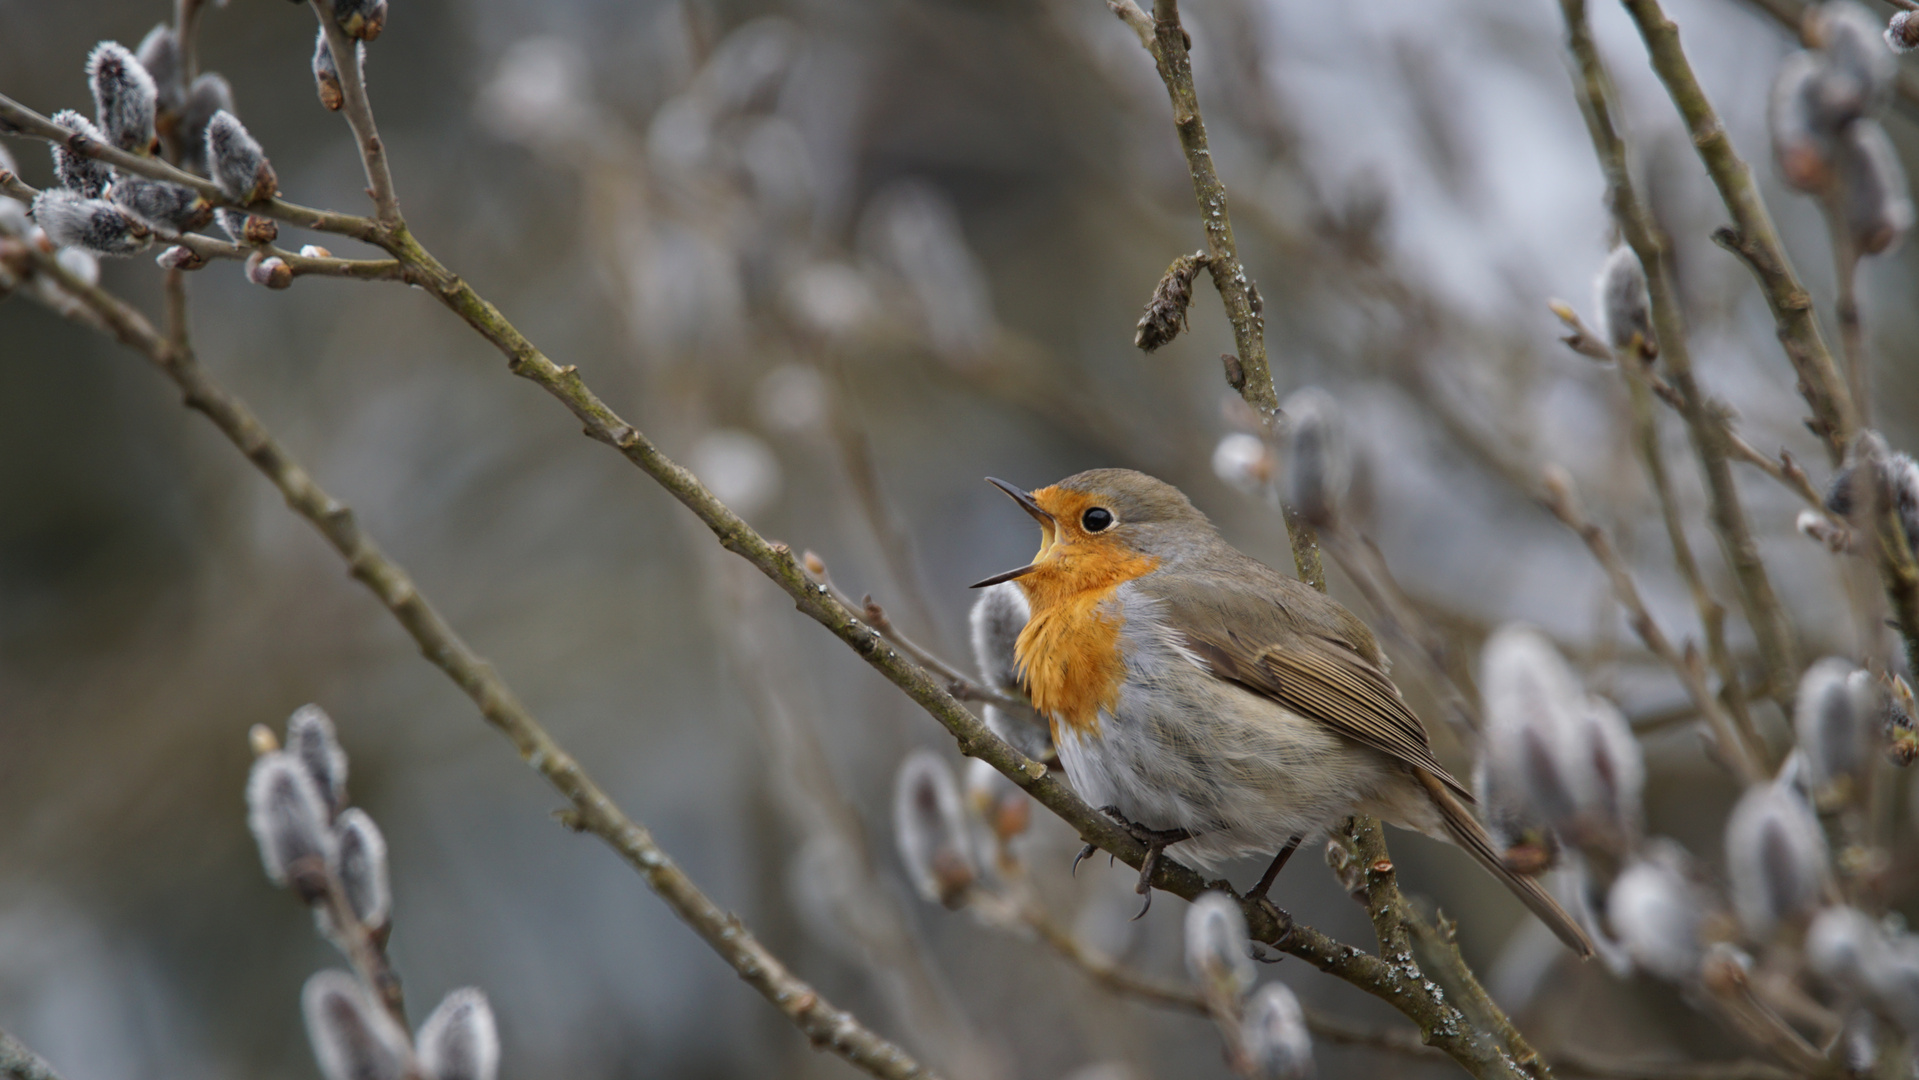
x,y
1776,858
929,824
236,162
1836,722
159,53
360,864
1657,911
1571,757
326,75
1859,67
1878,204
288,817
997,618
1623,306
353,1037
123,95
313,741
1319,464
173,207
1273,1036
72,220
77,172
269,270
208,95
1217,954
459,1040
1803,141
1165,313
1902,31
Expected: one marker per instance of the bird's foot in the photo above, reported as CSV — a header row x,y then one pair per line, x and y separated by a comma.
x,y
1156,841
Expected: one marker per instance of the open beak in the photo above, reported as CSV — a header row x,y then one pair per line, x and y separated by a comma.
x,y
1047,523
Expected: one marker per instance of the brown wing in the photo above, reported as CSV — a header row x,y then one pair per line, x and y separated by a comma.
x,y
1327,680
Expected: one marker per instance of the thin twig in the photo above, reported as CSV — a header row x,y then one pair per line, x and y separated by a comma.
x,y
1764,612
359,116
1753,236
1560,500
18,119
592,811
1604,1067
17,1062
1248,372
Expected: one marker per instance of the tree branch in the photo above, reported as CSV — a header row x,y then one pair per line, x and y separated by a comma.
x,y
593,811
359,116
1753,236
1764,613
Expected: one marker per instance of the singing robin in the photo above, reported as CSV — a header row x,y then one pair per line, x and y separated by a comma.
x,y
1206,700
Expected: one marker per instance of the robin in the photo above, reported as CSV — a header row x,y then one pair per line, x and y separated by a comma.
x,y
1203,699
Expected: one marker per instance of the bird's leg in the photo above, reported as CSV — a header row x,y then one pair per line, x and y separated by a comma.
x,y
1156,841
1272,872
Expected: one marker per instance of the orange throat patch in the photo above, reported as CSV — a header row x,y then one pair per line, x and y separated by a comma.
x,y
1069,651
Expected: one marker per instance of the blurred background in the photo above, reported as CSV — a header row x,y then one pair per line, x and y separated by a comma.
x,y
844,260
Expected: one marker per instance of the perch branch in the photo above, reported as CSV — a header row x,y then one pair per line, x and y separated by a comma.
x,y
592,810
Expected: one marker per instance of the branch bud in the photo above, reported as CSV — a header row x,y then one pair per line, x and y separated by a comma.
x,y
1776,859
326,74
1553,754
77,172
72,220
124,97
288,817
1244,461
1165,313
159,54
173,207
1318,464
1835,721
314,742
931,830
1873,185
997,618
361,867
1623,306
1902,31
1273,1037
1657,912
459,1040
208,95
1217,955
353,1037
1859,68
1802,139
269,270
362,19
236,162
179,257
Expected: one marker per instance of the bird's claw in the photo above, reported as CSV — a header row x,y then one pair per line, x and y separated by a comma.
x,y
1156,841
1084,854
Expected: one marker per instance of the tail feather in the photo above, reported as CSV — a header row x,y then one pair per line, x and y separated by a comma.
x,y
1465,831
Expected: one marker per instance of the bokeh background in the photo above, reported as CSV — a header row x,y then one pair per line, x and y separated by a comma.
x,y
844,259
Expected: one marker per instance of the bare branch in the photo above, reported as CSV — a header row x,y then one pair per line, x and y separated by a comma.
x,y
18,119
593,811
359,116
1764,613
1752,236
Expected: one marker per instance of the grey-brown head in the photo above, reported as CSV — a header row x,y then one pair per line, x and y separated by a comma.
x,y
1106,514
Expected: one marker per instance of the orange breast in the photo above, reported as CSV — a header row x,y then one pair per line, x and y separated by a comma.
x,y
1069,651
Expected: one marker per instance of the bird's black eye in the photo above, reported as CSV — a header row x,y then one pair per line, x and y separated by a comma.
x,y
1098,519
